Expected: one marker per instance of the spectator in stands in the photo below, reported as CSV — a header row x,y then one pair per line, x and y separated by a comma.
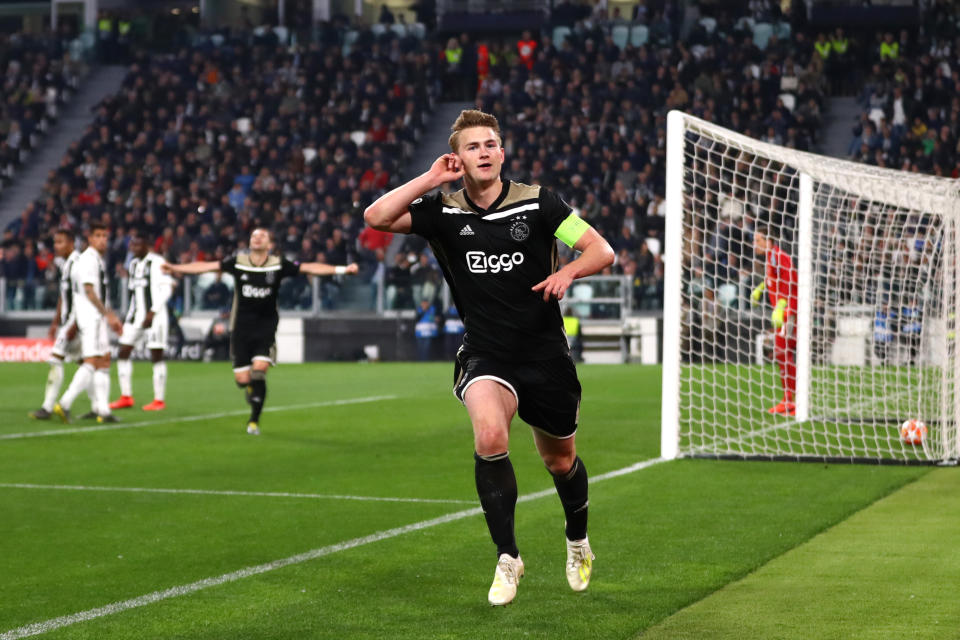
x,y
526,49
399,291
426,329
15,271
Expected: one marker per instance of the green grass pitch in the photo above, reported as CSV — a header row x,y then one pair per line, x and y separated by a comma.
x,y
179,525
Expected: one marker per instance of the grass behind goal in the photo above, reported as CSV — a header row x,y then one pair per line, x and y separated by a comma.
x,y
665,536
725,408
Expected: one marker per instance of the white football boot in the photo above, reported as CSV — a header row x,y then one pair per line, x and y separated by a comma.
x,y
505,579
579,564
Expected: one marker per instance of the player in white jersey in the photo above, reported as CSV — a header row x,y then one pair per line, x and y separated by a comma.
x,y
63,327
146,320
93,317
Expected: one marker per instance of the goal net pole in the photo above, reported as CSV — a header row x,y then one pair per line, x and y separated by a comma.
x,y
672,287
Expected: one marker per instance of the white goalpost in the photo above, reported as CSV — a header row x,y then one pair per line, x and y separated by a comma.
x,y
870,334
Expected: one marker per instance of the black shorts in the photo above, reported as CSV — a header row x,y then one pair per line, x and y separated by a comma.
x,y
547,391
247,346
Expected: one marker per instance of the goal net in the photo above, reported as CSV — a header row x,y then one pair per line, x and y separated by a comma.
x,y
860,265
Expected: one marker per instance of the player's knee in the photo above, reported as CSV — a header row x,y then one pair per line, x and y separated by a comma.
x,y
490,439
559,463
258,374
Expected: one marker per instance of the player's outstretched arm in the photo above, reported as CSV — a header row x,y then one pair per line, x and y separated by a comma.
x,y
390,211
323,269
596,255
191,268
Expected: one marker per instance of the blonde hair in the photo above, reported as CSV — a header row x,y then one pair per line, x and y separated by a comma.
x,y
469,118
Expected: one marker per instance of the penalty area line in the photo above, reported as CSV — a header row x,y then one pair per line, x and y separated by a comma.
x,y
207,416
53,624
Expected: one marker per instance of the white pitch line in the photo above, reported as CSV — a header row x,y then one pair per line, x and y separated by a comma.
x,y
214,492
91,614
208,416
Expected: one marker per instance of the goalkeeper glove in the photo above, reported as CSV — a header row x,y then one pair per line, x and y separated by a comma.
x,y
779,313
757,293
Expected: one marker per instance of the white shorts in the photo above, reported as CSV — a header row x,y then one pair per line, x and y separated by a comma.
x,y
156,336
64,347
93,337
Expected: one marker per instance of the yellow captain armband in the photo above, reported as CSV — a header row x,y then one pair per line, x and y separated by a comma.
x,y
571,230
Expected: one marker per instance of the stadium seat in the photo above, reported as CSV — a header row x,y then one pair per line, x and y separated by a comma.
x,y
583,293
639,35
348,39
727,295
708,23
789,101
400,30
560,34
621,35
761,34
418,30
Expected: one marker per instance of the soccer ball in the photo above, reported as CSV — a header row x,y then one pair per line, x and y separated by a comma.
x,y
913,431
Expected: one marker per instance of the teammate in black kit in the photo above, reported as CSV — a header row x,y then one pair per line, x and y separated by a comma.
x,y
254,318
496,244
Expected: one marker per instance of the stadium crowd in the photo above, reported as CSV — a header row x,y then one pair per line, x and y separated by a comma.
x,y
910,101
39,76
588,116
201,145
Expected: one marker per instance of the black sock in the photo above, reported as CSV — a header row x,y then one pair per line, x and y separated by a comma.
x,y
497,488
572,489
257,395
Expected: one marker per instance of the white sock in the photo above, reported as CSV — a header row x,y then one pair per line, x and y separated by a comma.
x,y
101,391
159,380
54,382
81,380
125,376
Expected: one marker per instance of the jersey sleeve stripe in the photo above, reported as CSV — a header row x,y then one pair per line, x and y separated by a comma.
x,y
514,210
243,267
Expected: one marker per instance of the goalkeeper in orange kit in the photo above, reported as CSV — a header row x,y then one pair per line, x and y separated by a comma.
x,y
780,284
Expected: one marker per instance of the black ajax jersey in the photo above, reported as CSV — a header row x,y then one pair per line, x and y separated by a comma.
x,y
491,258
255,290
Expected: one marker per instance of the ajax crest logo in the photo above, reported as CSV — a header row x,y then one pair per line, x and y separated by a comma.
x,y
519,230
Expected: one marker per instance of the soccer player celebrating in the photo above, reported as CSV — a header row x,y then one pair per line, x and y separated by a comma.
x,y
146,318
781,286
63,327
89,278
253,322
496,244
